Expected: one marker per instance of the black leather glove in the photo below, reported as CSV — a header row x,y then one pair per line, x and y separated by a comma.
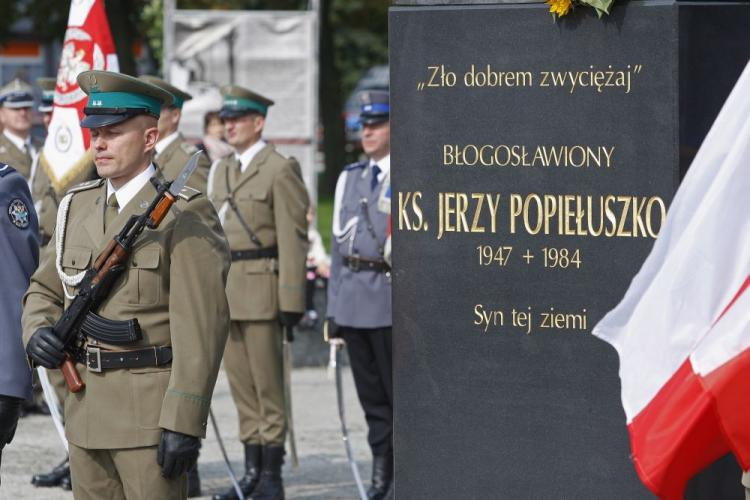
x,y
290,319
10,409
45,348
177,452
333,330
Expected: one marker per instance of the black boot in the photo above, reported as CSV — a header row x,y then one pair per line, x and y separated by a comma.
x,y
253,456
270,486
194,482
382,475
54,477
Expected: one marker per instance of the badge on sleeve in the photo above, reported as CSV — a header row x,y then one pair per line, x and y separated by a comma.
x,y
18,213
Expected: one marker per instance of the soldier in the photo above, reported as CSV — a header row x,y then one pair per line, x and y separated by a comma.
x,y
17,147
46,105
136,427
262,202
172,150
19,247
359,289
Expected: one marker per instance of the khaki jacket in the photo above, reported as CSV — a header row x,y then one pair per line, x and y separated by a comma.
x,y
175,156
47,199
273,201
174,285
11,155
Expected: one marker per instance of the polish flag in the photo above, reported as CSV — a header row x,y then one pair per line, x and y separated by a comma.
x,y
682,331
88,45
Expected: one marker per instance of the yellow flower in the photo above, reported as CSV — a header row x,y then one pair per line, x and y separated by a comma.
x,y
559,7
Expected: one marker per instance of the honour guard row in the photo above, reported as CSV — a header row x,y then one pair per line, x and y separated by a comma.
x,y
221,274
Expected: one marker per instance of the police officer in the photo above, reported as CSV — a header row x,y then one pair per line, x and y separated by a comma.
x,y
359,289
172,150
19,247
263,202
136,427
17,147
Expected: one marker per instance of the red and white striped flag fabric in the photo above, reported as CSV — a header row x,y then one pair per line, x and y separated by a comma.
x,y
682,331
88,45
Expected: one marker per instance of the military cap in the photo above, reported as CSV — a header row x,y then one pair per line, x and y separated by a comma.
x,y
17,94
114,98
374,107
179,96
48,93
238,101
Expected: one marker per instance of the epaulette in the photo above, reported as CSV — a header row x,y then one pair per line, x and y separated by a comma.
x,y
356,165
187,193
188,148
86,185
6,169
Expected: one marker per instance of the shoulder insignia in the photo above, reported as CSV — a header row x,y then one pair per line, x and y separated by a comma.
x,y
354,166
6,169
18,213
187,193
86,185
188,148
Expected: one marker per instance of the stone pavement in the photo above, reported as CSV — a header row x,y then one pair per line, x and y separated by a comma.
x,y
323,472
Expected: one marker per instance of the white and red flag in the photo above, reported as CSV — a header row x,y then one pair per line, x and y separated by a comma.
x,y
88,45
682,331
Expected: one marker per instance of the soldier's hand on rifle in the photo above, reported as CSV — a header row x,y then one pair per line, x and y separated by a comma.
x,y
45,348
290,319
177,452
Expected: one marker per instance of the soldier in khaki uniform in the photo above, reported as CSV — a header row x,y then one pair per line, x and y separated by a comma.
x,y
136,427
262,202
17,148
172,150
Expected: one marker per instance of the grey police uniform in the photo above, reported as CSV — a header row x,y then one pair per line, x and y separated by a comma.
x,y
19,246
359,298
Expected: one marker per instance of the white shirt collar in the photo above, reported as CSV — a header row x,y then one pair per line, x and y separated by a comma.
x,y
162,144
246,157
127,192
17,141
385,166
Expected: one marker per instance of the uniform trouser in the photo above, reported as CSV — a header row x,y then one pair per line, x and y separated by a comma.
x,y
10,409
372,366
253,360
129,474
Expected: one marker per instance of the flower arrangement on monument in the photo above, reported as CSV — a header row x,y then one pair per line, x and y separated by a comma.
x,y
560,8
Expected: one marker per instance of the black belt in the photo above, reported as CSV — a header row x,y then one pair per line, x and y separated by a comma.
x,y
98,360
255,254
357,264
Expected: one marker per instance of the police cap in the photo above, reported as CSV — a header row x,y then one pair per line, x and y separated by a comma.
x,y
374,107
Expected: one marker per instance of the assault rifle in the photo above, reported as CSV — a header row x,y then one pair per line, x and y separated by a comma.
x,y
108,266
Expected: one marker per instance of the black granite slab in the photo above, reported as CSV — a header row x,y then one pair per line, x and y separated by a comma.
x,y
507,411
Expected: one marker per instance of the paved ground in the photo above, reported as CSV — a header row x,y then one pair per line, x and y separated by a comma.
x,y
323,472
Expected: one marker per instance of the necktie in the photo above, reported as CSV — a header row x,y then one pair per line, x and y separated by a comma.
x,y
374,180
111,211
27,153
236,169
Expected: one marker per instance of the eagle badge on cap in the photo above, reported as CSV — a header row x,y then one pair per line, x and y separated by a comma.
x,y
18,213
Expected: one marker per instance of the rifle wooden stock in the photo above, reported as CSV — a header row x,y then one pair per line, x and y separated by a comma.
x,y
70,373
161,210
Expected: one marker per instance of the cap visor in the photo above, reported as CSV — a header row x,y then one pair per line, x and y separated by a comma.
x,y
96,121
45,109
373,119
